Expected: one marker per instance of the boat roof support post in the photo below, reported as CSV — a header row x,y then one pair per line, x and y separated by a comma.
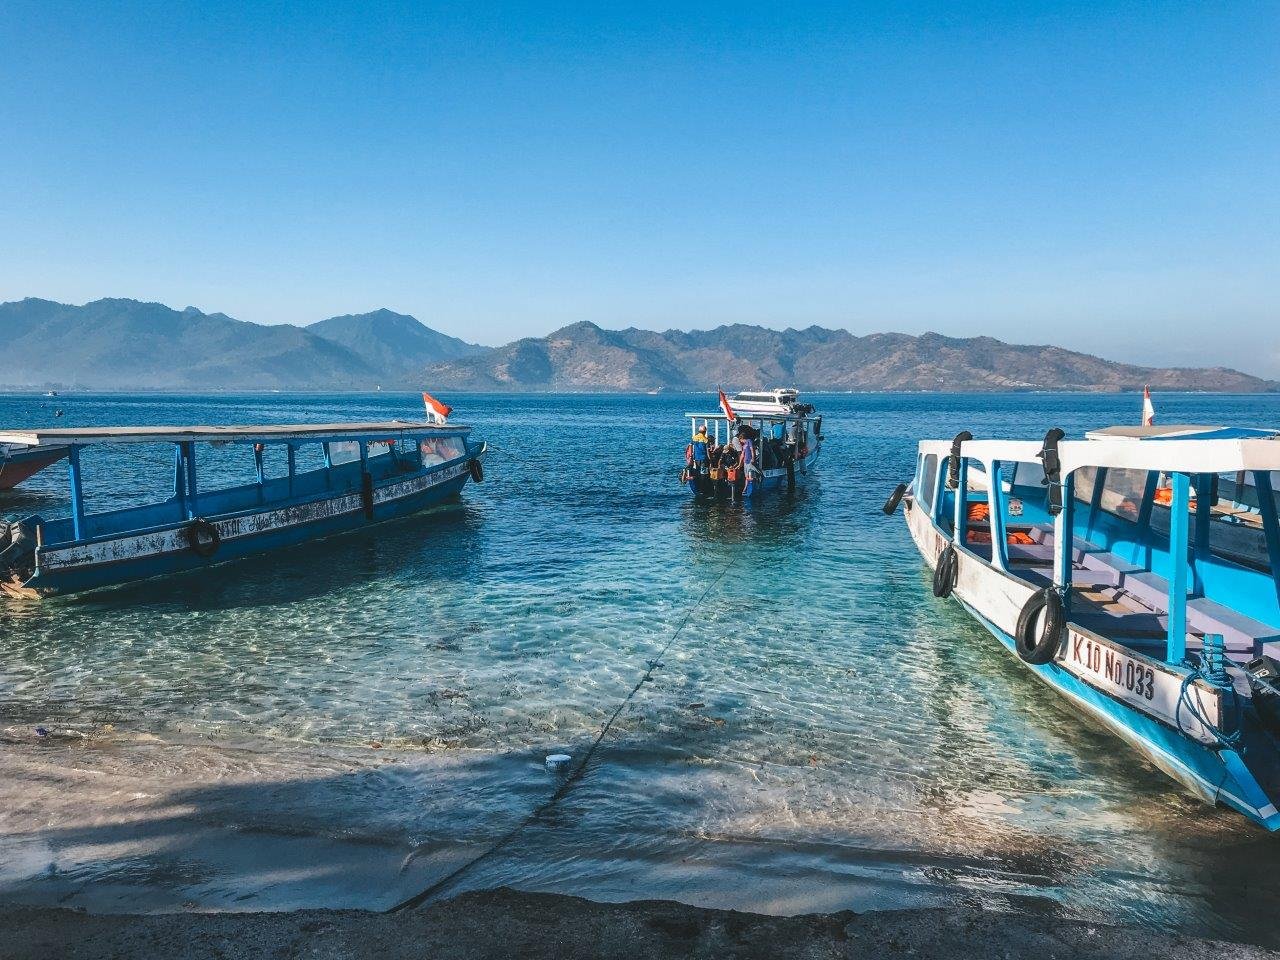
x,y
189,458
960,525
77,492
1095,501
1200,540
1064,537
995,507
939,485
1141,552
179,478
293,465
259,470
1179,537
1270,524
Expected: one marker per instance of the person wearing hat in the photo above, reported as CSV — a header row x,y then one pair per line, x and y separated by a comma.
x,y
696,457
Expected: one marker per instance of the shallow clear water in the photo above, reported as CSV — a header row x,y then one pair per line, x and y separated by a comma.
x,y
823,733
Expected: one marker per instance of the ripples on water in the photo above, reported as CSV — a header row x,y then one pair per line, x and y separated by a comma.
x,y
823,734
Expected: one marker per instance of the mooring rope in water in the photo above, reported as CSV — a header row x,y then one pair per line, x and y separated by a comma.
x,y
575,773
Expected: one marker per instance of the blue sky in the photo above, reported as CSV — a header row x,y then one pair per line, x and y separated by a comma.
x,y
1102,175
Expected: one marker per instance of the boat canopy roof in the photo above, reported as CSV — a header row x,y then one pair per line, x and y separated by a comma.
x,y
1181,431
268,433
1199,450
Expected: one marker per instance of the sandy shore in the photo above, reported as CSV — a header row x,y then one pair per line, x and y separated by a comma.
x,y
502,923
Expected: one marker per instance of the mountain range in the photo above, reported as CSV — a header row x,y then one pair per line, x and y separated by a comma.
x,y
585,357
128,344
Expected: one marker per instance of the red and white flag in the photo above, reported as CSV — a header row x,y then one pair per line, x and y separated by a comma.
x,y
724,405
1148,408
437,412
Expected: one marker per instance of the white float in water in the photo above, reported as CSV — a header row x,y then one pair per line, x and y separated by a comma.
x,y
558,762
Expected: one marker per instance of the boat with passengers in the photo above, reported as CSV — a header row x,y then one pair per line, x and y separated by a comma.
x,y
1153,629
364,473
758,441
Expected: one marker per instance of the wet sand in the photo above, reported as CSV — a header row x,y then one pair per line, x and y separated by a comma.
x,y
504,923
187,850
148,826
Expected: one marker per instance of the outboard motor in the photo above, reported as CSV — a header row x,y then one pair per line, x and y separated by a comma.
x,y
18,543
1264,682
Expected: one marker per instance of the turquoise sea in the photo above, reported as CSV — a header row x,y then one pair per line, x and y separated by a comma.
x,y
821,734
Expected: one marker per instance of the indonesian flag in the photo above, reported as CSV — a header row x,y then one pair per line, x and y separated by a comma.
x,y
437,412
724,405
1148,408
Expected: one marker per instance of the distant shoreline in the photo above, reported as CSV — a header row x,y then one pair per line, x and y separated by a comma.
x,y
63,391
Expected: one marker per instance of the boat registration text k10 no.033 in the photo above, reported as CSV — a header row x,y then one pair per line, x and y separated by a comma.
x,y
1139,682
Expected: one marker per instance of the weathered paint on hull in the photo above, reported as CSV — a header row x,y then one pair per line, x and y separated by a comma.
x,y
77,577
1197,766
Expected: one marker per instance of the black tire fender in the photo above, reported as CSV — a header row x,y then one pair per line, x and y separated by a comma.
x,y
895,498
203,537
953,462
945,573
477,470
1042,646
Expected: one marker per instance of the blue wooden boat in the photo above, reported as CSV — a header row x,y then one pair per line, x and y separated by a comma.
x,y
371,472
18,461
1166,633
785,435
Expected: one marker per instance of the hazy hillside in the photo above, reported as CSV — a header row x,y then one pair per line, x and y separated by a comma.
x,y
126,344
114,343
392,341
585,357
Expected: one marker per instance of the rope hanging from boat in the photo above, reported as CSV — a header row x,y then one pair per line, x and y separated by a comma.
x,y
576,771
1213,671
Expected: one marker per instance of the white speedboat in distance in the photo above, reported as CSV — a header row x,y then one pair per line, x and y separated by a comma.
x,y
769,401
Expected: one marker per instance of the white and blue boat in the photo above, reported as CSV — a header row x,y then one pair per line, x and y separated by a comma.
x,y
1113,568
785,437
369,473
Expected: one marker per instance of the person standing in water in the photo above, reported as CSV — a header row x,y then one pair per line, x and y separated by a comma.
x,y
727,485
748,460
696,456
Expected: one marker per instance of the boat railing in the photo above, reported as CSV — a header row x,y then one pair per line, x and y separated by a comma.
x,y
299,488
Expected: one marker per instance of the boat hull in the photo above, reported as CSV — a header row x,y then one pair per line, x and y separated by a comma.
x,y
129,557
773,479
994,600
19,466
